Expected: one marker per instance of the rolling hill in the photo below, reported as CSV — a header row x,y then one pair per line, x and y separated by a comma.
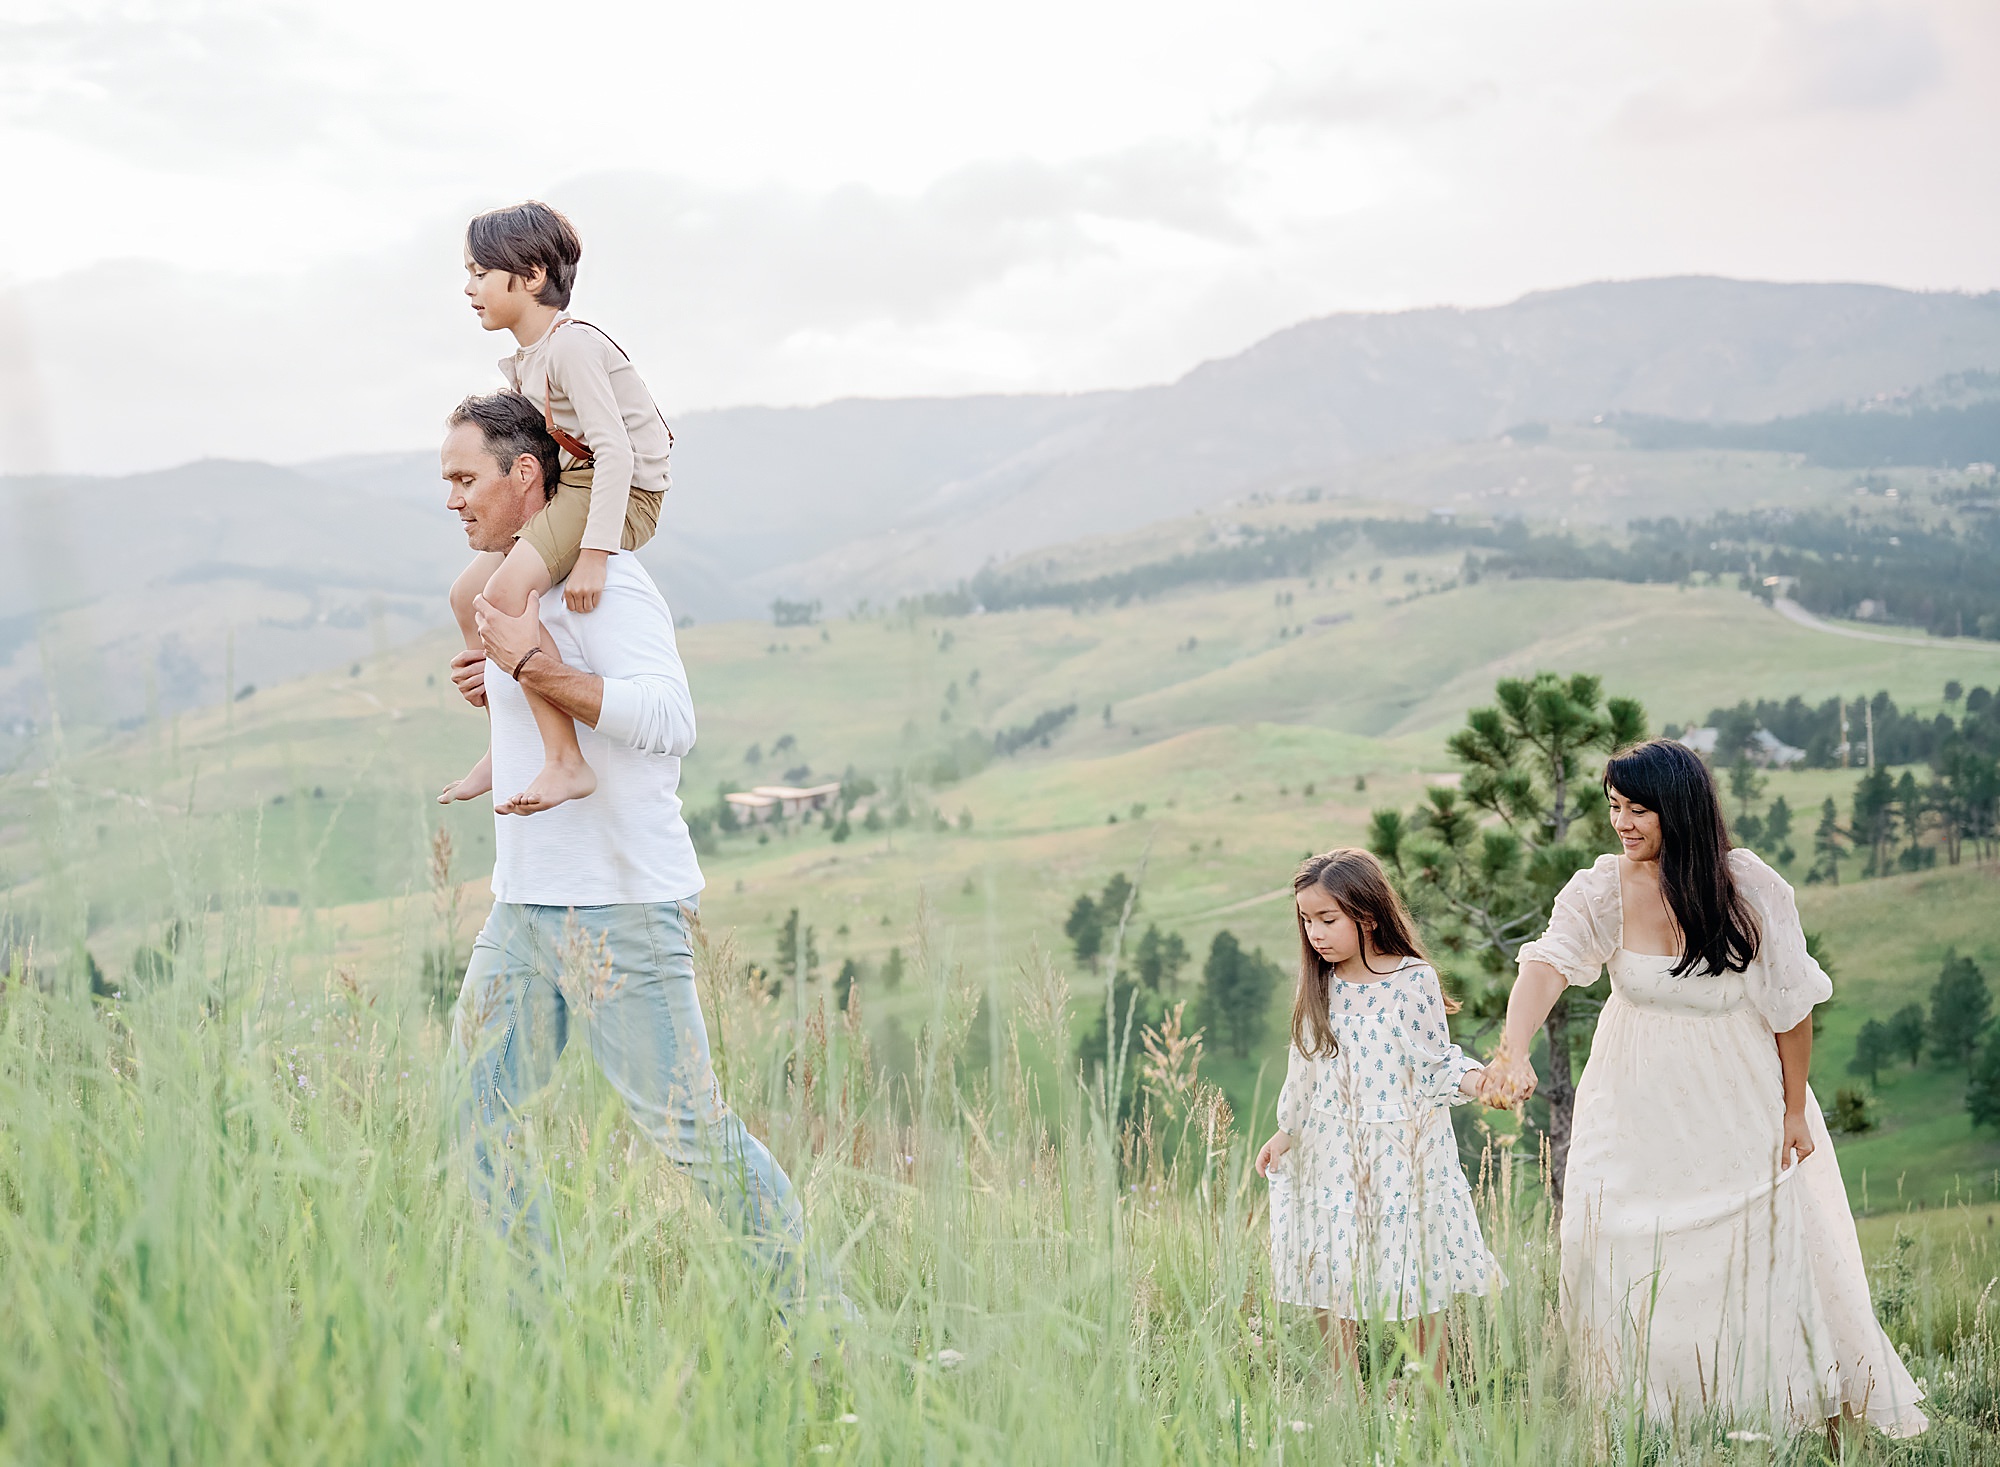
x,y
1218,733
175,589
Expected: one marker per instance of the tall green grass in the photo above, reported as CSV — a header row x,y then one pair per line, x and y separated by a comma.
x,y
234,1227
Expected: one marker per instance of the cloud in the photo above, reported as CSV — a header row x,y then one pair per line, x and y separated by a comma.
x,y
198,86
766,293
787,260
1332,96
1863,59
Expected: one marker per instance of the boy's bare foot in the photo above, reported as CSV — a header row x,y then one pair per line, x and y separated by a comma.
x,y
476,783
556,783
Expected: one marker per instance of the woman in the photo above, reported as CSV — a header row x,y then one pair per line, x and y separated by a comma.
x,y
1706,1243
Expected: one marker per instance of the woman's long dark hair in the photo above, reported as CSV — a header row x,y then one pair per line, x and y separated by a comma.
x,y
1717,926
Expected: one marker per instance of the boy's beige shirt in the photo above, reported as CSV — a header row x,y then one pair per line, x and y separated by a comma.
x,y
598,396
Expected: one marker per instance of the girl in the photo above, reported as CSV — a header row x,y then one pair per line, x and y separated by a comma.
x,y
1707,1251
1371,1215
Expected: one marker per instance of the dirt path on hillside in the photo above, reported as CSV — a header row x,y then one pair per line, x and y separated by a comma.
x,y
1791,611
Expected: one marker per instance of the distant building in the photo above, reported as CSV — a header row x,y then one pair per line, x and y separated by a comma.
x,y
1768,749
1701,740
782,801
1765,747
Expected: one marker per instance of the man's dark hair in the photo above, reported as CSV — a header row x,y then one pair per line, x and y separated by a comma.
x,y
522,236
511,426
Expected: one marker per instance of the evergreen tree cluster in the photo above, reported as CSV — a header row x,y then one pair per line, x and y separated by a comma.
x,y
1896,821
1934,575
1957,1029
1236,985
1900,738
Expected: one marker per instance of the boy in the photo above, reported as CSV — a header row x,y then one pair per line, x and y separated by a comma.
x,y
520,265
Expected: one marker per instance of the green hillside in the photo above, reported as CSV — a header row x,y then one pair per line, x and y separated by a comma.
x,y
1219,735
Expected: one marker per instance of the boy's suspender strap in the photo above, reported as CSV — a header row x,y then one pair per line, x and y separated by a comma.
x,y
570,443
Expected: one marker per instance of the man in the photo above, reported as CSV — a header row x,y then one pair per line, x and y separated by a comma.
x,y
593,899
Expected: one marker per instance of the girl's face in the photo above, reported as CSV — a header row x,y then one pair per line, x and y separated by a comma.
x,y
1638,828
1333,934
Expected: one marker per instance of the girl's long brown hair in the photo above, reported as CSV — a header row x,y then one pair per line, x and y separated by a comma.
x,y
1356,880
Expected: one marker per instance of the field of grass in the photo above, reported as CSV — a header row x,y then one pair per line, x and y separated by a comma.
x,y
233,1227
231,1185
1239,730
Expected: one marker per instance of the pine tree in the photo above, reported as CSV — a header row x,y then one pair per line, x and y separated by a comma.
x,y
1746,785
1778,832
892,970
1906,1031
1911,808
1480,865
787,966
1982,1092
1159,958
844,981
1875,818
1236,989
1827,841
1873,1048
1961,1005
1085,930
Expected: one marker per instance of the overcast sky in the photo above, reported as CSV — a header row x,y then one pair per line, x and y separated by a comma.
x,y
235,226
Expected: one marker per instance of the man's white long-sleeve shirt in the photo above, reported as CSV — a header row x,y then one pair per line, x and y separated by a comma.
x,y
627,842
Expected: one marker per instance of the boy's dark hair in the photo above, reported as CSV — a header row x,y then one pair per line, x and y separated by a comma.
x,y
522,236
511,426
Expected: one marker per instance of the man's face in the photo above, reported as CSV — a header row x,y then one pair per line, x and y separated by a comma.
x,y
492,499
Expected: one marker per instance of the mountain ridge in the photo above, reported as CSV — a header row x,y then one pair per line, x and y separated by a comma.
x,y
881,497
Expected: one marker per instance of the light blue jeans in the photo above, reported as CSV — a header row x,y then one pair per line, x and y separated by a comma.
x,y
624,976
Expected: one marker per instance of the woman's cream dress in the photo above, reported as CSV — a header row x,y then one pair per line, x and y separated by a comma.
x,y
1690,1259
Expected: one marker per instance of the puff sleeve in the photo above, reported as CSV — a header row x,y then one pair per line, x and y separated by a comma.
x,y
1296,1093
1782,981
1437,1066
1583,929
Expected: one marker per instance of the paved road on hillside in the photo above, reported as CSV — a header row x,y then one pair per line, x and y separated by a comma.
x,y
1792,611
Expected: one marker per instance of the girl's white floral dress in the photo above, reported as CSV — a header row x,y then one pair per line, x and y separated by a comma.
x,y
1371,1215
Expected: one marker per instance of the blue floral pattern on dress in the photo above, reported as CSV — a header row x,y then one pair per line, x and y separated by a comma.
x,y
1371,1214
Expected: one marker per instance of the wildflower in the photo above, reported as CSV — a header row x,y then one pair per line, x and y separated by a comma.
x,y
1299,1426
850,1419
1749,1436
1413,1367
949,1359
824,1449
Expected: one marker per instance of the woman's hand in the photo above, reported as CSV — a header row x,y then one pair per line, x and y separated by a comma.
x,y
1271,1152
1798,1144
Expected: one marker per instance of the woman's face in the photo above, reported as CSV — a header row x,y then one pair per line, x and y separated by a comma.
x,y
1332,933
1638,828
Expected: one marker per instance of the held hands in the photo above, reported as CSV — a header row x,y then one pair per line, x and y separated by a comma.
x,y
585,586
1506,1082
1798,1143
1271,1152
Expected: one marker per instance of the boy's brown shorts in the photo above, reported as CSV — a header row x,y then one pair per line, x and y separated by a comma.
x,y
557,532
